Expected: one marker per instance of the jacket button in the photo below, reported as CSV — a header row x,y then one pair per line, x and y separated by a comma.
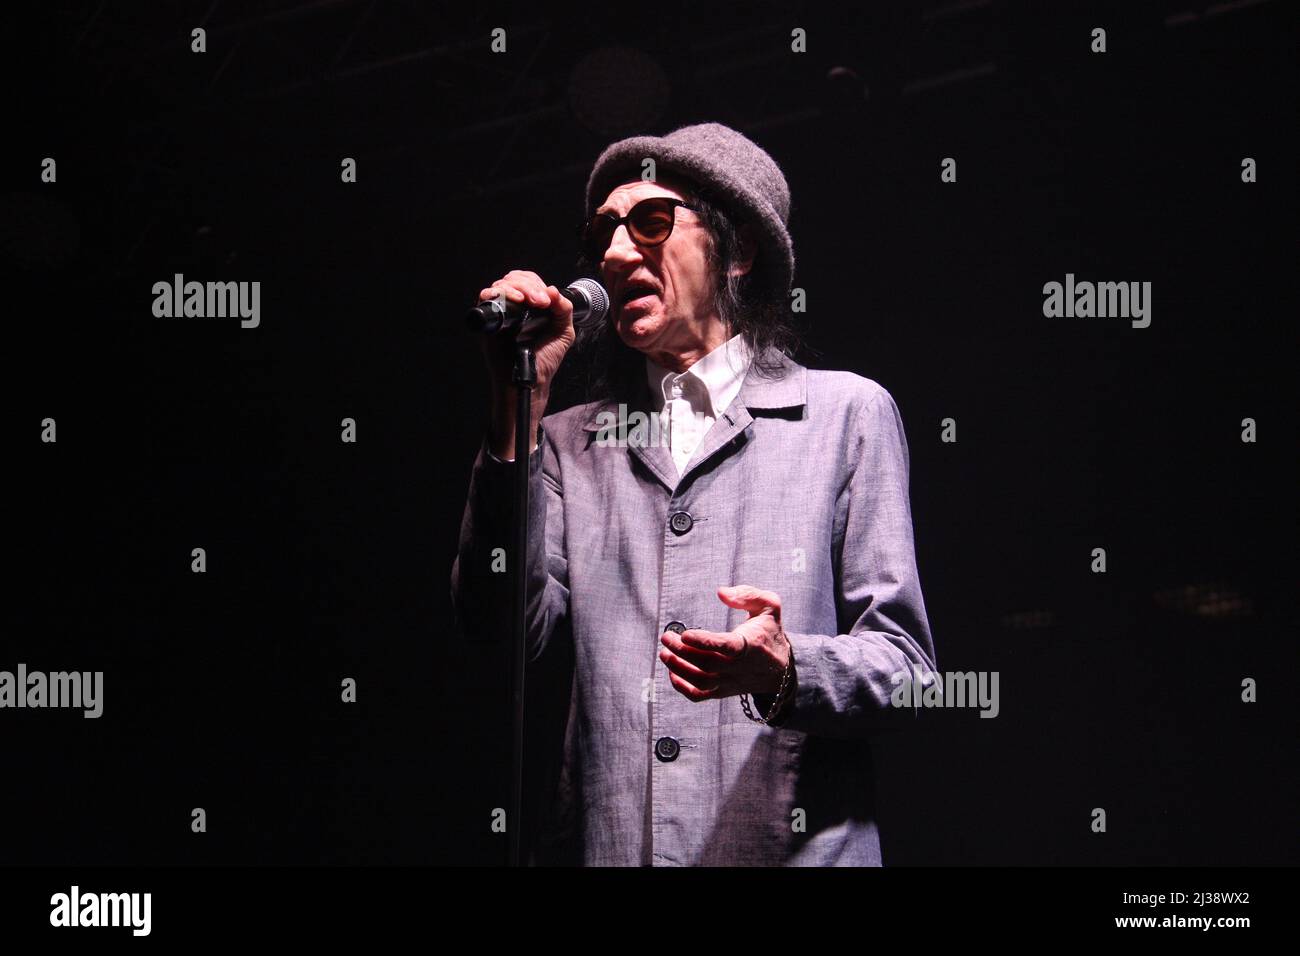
x,y
675,626
680,522
667,749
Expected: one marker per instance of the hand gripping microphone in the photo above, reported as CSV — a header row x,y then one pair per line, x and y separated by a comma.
x,y
499,315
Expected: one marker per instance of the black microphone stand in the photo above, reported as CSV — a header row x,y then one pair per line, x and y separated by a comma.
x,y
493,316
524,378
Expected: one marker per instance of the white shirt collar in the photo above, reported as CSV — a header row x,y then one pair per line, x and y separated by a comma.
x,y
720,373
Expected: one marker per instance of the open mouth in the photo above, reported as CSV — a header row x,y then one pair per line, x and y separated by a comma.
x,y
640,302
638,295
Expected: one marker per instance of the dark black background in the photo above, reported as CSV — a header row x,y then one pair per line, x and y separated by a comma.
x,y
328,560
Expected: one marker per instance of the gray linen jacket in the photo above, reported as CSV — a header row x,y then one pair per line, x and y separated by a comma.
x,y
800,487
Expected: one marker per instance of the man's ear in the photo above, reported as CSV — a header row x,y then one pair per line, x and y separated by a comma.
x,y
748,250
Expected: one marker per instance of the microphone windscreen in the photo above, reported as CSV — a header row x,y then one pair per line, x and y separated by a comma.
x,y
598,298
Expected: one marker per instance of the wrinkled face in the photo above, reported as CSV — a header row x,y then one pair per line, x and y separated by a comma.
x,y
675,307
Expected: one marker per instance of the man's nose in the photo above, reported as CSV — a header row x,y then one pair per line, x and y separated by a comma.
x,y
621,247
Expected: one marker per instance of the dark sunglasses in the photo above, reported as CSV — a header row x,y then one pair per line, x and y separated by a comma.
x,y
649,223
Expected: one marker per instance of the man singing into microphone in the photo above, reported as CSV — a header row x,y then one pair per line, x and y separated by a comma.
x,y
739,585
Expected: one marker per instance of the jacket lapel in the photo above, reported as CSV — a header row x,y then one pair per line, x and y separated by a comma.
x,y
781,389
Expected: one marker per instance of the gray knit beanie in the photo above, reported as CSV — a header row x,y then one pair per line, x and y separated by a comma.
x,y
736,171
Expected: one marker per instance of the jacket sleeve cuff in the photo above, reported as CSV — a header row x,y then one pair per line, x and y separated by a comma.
x,y
833,697
510,461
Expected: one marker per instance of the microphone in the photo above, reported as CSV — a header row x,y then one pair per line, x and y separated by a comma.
x,y
499,316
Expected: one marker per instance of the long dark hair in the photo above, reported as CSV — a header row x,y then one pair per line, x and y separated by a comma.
x,y
749,305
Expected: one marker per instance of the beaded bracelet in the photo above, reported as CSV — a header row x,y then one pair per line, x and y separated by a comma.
x,y
780,694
